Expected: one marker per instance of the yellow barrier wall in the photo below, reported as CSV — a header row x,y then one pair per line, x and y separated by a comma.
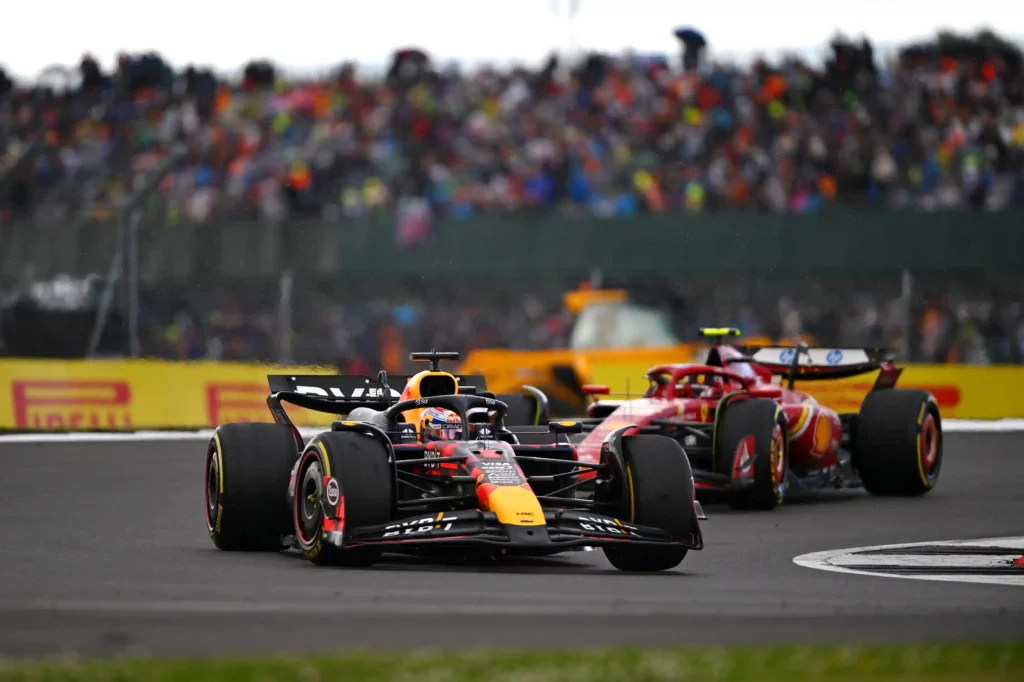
x,y
139,394
963,392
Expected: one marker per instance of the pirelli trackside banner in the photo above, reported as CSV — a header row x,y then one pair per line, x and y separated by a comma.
x,y
963,392
138,394
148,394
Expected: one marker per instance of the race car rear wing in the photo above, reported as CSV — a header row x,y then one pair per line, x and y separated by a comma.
x,y
808,364
342,393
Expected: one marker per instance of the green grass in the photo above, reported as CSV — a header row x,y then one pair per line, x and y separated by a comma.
x,y
950,663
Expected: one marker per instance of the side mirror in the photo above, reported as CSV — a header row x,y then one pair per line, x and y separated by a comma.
x,y
565,427
765,392
595,389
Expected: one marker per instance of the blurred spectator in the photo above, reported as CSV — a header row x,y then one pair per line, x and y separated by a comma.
x,y
940,127
969,325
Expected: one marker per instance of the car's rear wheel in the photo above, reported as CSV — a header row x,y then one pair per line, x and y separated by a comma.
x,y
657,492
753,441
344,480
247,472
898,446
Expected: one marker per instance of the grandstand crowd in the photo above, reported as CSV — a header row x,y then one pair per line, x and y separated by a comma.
x,y
611,137
939,127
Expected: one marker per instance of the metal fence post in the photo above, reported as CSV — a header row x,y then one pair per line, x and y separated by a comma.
x,y
284,319
131,279
906,293
126,257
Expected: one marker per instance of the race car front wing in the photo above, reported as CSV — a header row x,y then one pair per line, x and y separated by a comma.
x,y
564,529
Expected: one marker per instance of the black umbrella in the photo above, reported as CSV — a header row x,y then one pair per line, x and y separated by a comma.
x,y
693,42
691,37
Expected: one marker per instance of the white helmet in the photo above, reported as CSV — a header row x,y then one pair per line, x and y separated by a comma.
x,y
440,424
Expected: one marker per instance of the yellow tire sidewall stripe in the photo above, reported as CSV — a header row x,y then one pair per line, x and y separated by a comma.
x,y
327,460
632,497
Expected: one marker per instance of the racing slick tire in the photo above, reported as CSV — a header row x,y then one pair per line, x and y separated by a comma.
x,y
657,492
359,466
247,472
898,446
764,421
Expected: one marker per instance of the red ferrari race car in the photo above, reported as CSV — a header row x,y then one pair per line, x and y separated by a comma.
x,y
438,469
757,441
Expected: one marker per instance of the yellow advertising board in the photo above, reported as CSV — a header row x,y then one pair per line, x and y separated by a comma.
x,y
63,395
963,391
139,394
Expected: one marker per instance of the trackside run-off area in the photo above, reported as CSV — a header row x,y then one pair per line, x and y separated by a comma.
x,y
108,573
966,663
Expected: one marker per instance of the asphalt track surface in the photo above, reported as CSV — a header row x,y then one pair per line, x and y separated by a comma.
x,y
105,552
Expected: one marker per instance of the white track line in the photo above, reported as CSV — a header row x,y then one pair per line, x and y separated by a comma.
x,y
982,425
948,425
853,561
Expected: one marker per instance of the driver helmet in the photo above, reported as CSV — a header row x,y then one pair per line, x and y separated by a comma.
x,y
440,424
705,386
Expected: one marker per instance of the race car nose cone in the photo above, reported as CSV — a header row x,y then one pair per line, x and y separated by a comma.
x,y
523,535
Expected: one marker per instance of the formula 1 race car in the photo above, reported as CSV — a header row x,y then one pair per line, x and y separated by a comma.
x,y
376,482
755,441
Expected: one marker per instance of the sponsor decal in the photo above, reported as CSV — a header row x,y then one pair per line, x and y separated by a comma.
x,y
416,526
814,357
606,526
822,435
500,473
333,492
744,458
368,393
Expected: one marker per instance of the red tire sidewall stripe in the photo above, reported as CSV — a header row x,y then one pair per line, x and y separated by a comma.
x,y
300,475
211,452
929,439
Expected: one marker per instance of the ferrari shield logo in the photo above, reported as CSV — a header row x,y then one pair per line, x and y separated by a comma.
x,y
704,412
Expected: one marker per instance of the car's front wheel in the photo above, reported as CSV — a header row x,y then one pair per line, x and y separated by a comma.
x,y
753,446
657,492
344,480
